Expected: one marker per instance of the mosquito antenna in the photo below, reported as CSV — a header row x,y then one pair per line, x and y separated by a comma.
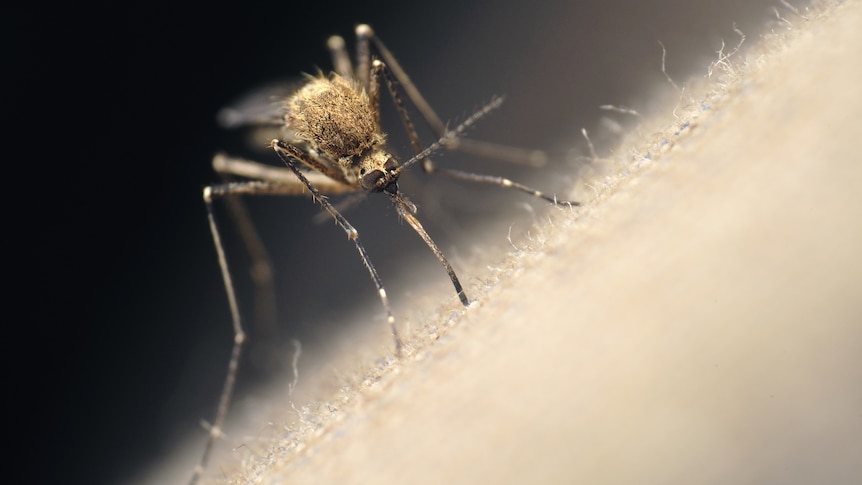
x,y
450,135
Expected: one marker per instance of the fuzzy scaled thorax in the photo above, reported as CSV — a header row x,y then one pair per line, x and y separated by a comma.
x,y
334,117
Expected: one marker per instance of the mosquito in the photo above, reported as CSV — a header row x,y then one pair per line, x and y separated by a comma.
x,y
334,145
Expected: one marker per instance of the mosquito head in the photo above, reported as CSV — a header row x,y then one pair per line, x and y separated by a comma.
x,y
377,172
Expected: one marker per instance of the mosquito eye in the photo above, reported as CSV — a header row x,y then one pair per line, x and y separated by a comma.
x,y
390,164
369,180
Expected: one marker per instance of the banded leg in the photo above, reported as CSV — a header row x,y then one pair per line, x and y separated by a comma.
x,y
238,340
226,190
288,153
501,182
407,210
380,68
265,305
484,149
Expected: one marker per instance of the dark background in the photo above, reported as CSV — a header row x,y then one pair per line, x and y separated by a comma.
x,y
125,321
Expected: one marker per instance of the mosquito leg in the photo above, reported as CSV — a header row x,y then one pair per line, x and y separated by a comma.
x,y
288,153
450,135
265,307
226,190
428,166
503,153
252,188
363,54
466,145
238,340
340,59
342,206
406,210
415,96
281,179
502,182
377,68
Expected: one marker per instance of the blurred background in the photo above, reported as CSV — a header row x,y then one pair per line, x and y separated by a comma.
x,y
131,315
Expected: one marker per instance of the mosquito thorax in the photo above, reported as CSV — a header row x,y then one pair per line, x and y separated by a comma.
x,y
333,115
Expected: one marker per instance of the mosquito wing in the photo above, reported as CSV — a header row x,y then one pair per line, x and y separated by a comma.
x,y
263,106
